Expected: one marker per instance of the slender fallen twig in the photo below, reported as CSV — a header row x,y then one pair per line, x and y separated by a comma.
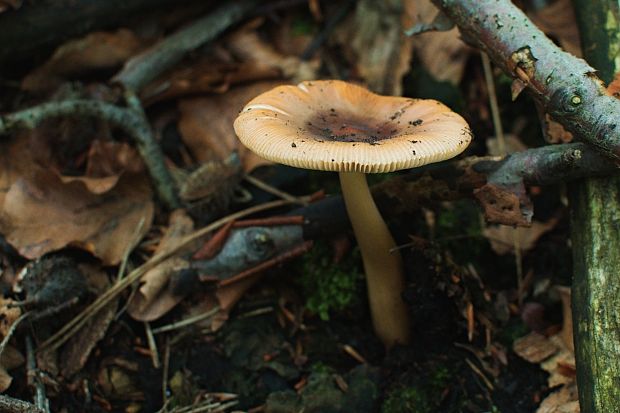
x,y
150,338
187,322
73,326
144,67
499,134
34,379
135,239
273,190
11,331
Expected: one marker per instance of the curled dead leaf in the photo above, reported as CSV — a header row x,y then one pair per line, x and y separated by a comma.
x,y
8,315
40,214
443,54
565,400
206,124
94,52
106,162
534,347
501,237
374,43
154,298
248,46
614,87
557,19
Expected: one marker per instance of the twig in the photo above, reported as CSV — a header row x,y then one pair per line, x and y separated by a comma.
x,y
150,338
131,122
146,66
164,374
329,27
11,405
40,400
567,87
12,329
273,190
73,326
135,239
499,134
187,322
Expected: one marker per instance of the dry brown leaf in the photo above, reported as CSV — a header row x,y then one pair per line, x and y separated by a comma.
x,y
75,352
567,316
107,161
11,358
565,400
8,315
512,144
41,214
206,124
154,299
97,51
224,297
501,237
247,46
5,378
534,347
555,132
242,57
558,20
205,76
557,358
373,41
614,87
286,39
443,54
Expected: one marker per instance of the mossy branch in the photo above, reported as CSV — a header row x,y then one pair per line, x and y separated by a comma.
x,y
131,121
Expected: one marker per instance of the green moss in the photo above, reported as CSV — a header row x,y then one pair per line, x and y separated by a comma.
x,y
321,368
461,221
328,286
424,396
512,331
408,400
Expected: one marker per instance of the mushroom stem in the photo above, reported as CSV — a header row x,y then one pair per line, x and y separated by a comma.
x,y
384,270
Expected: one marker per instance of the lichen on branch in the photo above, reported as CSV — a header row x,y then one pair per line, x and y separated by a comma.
x,y
566,86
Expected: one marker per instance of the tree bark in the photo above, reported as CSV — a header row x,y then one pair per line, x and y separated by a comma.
x,y
595,234
566,87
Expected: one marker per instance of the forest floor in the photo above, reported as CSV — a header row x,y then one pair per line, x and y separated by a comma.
x,y
90,312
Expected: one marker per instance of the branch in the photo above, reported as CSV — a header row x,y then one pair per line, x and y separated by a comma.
x,y
143,68
11,405
132,122
498,184
564,85
250,247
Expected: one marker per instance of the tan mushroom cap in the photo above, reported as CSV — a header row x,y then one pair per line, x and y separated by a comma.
x,y
332,125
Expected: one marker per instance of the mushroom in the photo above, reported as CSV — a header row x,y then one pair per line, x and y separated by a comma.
x,y
332,125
